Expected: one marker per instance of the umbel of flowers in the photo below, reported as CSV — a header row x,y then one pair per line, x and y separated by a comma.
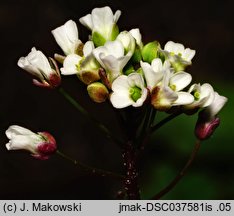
x,y
117,66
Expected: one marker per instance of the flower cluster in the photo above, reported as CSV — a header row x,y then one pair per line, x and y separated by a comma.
x,y
117,66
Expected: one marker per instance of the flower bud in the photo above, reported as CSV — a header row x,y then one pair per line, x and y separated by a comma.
x,y
150,51
88,71
41,144
102,23
67,37
46,72
127,40
204,129
98,92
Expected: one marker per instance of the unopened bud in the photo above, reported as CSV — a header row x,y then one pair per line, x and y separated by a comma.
x,y
205,128
150,51
98,92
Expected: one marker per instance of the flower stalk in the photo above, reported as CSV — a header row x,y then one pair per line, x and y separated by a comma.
x,y
99,125
91,170
181,174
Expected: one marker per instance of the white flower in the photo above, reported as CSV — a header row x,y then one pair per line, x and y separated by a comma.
x,y
137,35
154,72
179,50
102,23
128,90
203,95
41,145
85,67
112,59
67,37
178,56
38,65
168,93
213,109
207,119
127,40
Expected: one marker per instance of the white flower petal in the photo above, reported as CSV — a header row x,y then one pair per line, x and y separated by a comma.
x,y
70,64
67,37
178,48
25,142
112,66
136,79
217,104
137,35
25,64
115,48
36,63
14,130
183,98
166,78
207,92
157,64
188,54
180,80
87,21
100,51
120,97
169,46
127,41
120,100
150,75
88,48
102,20
120,84
173,47
116,16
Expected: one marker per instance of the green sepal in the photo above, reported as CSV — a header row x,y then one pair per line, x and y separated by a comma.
x,y
178,66
114,32
150,51
140,71
128,69
136,57
98,39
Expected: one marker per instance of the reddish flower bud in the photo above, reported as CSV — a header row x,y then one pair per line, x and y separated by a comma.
x,y
41,144
204,129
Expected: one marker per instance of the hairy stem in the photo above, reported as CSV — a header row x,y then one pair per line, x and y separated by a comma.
x,y
131,177
91,170
181,173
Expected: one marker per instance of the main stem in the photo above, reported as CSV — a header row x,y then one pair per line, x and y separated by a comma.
x,y
131,177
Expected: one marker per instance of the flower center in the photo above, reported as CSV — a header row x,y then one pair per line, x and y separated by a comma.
x,y
78,65
173,87
196,95
135,93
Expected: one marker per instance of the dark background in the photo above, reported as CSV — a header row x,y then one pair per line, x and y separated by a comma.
x,y
206,26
